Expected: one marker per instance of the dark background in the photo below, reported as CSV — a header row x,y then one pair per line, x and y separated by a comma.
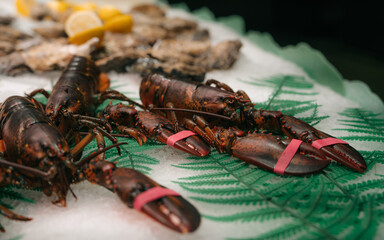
x,y
350,34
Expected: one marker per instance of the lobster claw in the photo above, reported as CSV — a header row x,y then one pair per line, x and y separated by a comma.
x,y
191,144
165,206
161,129
340,152
265,150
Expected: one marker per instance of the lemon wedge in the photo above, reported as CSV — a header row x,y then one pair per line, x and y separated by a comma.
x,y
120,24
84,36
107,12
24,7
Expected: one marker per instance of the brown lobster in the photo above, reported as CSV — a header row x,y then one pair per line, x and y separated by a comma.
x,y
33,146
73,100
41,158
237,112
82,87
140,124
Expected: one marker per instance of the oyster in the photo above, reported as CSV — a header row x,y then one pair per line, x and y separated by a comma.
x,y
47,56
170,45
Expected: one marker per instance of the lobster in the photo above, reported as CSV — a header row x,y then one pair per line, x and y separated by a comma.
x,y
82,87
31,144
72,101
187,100
41,158
140,124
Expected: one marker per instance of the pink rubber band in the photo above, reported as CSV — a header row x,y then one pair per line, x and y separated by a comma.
x,y
178,136
327,142
286,156
151,195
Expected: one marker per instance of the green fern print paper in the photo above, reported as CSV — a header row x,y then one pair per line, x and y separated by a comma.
x,y
237,200
326,205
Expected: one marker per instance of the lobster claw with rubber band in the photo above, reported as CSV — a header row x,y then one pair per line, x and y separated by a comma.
x,y
333,148
204,107
143,124
138,191
281,156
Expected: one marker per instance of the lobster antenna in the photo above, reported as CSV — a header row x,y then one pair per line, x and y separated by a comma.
x,y
122,97
112,134
131,101
94,154
194,111
34,171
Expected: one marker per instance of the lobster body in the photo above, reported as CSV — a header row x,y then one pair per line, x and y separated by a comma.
x,y
73,100
140,124
31,139
76,88
158,91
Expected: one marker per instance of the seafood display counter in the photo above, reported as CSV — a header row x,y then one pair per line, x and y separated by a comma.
x,y
222,177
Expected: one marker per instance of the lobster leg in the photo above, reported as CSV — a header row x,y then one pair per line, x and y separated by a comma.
x,y
97,121
208,135
292,127
200,125
133,132
39,90
11,215
219,85
116,95
99,129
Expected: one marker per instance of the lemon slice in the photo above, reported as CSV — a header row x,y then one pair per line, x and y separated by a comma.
x,y
84,36
107,12
24,7
81,21
121,24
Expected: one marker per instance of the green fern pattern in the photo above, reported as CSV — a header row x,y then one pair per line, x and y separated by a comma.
x,y
327,205
9,195
286,89
335,204
132,156
362,125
